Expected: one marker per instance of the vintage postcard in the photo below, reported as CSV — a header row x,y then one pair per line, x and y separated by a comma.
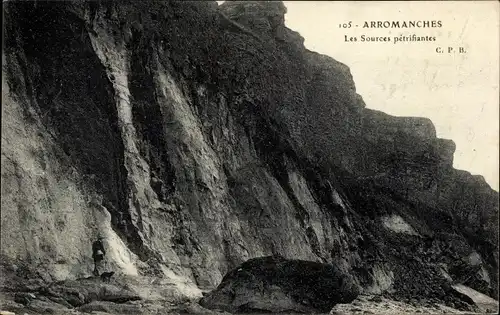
x,y
277,157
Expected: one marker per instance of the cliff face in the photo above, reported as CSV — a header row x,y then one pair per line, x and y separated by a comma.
x,y
194,137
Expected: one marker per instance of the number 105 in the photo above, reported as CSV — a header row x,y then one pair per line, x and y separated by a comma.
x,y
346,25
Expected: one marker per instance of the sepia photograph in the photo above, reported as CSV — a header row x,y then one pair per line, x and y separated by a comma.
x,y
249,157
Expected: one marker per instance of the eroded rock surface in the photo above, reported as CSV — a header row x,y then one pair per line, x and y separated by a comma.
x,y
194,137
275,284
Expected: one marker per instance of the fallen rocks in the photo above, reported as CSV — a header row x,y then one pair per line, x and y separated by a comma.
x,y
24,297
83,291
61,297
485,303
276,284
381,305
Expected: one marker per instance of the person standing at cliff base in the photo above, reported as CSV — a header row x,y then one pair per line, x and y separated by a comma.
x,y
98,253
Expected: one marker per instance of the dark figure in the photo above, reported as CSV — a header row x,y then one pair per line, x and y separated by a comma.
x,y
106,276
98,253
428,242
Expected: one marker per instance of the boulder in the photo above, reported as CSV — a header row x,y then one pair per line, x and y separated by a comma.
x,y
276,284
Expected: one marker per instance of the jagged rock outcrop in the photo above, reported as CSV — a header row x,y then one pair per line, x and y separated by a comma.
x,y
274,284
195,137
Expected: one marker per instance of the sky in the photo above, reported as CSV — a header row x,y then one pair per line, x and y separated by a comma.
x,y
459,92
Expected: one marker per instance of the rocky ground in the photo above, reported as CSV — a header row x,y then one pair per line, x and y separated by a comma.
x,y
379,305
122,295
24,291
16,303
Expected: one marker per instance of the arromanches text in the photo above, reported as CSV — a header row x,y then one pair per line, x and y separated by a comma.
x,y
402,24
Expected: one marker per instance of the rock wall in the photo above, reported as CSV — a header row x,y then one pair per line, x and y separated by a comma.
x,y
195,136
